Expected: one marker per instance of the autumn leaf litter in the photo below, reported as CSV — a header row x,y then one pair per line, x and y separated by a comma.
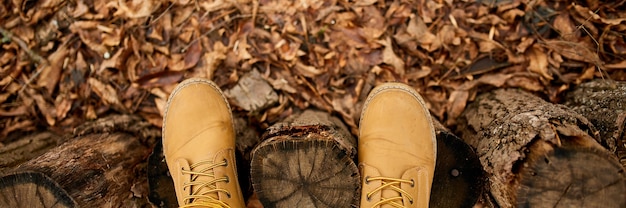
x,y
66,62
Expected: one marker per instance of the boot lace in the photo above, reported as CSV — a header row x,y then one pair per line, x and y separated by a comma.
x,y
201,196
393,184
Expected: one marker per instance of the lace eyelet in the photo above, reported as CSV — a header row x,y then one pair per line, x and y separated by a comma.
x,y
412,185
367,179
411,201
227,179
368,198
228,195
225,162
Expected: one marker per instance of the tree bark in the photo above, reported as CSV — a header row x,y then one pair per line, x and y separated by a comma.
x,y
306,161
521,141
27,148
603,102
102,166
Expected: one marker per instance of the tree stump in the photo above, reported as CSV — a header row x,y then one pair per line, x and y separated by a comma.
x,y
573,177
42,191
102,166
306,161
458,179
603,102
530,150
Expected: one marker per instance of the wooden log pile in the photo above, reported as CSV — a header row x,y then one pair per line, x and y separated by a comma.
x,y
64,172
103,165
517,150
538,154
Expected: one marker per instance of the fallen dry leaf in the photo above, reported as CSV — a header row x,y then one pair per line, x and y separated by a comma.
x,y
389,57
51,73
136,8
566,28
107,93
187,60
456,104
538,62
620,65
307,71
62,106
48,111
574,50
213,59
588,13
418,30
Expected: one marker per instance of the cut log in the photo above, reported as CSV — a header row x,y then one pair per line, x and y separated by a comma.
x,y
27,148
459,179
32,189
514,131
102,166
573,177
603,102
306,161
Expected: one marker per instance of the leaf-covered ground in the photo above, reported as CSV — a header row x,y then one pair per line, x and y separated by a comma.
x,y
65,62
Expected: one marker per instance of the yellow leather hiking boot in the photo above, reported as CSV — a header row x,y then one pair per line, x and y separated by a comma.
x,y
199,146
397,148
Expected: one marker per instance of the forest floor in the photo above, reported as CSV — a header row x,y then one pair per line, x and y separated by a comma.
x,y
66,62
